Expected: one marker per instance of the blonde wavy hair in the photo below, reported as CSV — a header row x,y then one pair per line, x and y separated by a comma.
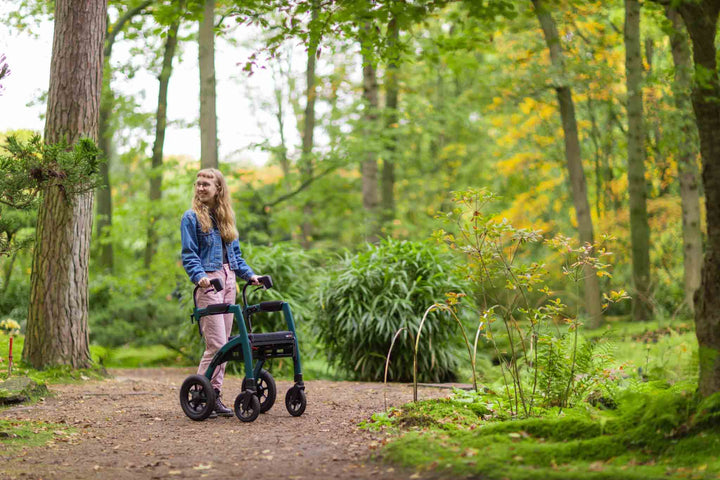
x,y
222,212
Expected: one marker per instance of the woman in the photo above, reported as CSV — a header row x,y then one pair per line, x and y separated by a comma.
x,y
210,249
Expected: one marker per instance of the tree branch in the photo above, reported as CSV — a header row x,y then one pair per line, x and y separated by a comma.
x,y
112,32
302,187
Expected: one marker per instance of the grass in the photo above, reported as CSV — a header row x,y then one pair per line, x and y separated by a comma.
x,y
136,357
316,368
18,434
658,430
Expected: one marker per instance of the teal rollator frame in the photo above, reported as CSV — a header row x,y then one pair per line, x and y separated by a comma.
x,y
259,391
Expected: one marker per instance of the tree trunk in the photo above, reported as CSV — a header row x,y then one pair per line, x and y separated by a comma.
x,y
701,22
391,103
307,164
157,155
206,60
639,228
572,155
106,258
369,167
57,330
104,196
687,159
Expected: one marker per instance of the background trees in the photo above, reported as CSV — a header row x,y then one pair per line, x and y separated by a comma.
x,y
375,113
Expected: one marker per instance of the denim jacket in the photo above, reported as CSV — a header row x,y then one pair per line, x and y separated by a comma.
x,y
202,252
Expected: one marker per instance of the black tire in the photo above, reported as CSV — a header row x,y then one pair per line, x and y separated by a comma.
x,y
266,390
197,397
247,407
295,401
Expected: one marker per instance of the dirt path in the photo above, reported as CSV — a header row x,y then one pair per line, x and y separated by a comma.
x,y
131,427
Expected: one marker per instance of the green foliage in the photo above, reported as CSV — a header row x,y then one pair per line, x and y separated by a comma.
x,y
28,167
533,333
592,368
369,296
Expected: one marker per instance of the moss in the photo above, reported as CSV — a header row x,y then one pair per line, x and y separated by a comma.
x,y
558,429
16,434
445,413
653,434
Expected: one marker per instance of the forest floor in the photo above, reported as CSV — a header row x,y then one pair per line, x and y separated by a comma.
x,y
131,426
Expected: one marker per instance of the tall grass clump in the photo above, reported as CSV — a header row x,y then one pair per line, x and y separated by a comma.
x,y
534,334
373,294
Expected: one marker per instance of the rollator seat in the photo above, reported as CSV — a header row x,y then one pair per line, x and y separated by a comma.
x,y
272,338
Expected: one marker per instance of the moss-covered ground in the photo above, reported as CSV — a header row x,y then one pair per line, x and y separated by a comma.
x,y
16,434
656,427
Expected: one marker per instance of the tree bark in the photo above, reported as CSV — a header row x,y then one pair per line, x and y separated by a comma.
x,y
687,159
208,115
387,205
307,164
160,126
369,166
57,330
572,155
701,22
639,227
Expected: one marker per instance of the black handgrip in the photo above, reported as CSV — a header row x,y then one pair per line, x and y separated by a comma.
x,y
217,284
266,281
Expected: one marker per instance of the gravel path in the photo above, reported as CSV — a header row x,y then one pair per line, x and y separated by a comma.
x,y
131,427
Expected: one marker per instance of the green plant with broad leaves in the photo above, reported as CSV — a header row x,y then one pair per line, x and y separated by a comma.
x,y
535,336
372,295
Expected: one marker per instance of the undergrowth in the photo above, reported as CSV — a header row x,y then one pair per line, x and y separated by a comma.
x,y
657,430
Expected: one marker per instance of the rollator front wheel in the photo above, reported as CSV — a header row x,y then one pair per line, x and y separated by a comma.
x,y
197,397
247,407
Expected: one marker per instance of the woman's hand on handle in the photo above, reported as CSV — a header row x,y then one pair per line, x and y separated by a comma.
x,y
254,280
204,282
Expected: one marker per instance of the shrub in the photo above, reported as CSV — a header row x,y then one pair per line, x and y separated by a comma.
x,y
373,294
520,316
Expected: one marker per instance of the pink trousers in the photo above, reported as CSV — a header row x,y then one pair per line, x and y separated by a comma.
x,y
216,328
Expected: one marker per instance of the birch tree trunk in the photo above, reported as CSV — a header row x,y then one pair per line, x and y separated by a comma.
x,y
57,330
578,183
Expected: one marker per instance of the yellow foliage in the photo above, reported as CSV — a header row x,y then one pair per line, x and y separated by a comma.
x,y
497,121
527,105
544,140
528,206
545,110
516,163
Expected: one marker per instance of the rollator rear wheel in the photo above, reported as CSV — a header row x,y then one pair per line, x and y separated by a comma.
x,y
266,390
